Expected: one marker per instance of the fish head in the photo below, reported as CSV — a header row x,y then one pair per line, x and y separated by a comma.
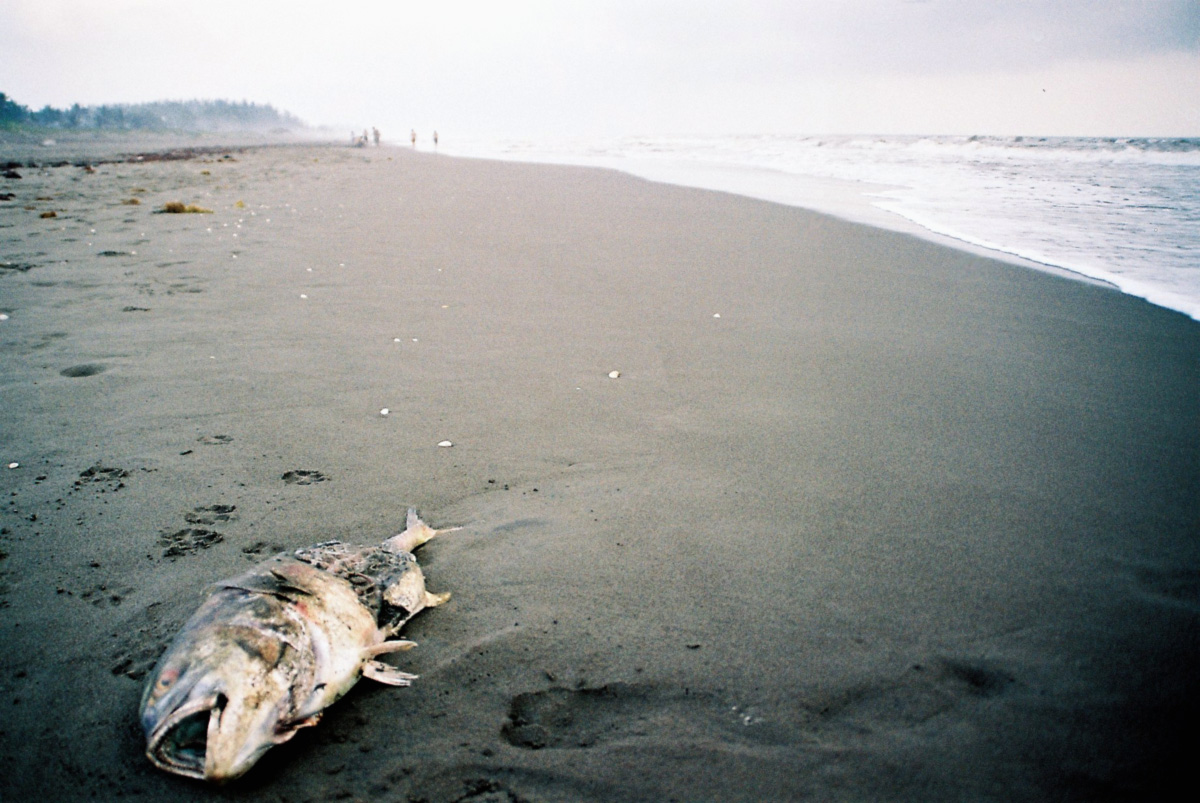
x,y
216,702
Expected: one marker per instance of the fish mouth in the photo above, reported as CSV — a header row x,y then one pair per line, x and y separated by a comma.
x,y
180,742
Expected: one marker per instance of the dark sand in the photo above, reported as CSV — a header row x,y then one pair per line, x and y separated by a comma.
x,y
902,523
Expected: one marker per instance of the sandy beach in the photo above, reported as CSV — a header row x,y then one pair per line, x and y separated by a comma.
x,y
862,517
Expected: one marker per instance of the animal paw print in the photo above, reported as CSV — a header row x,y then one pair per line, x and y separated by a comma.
x,y
303,477
258,548
211,514
106,477
104,597
189,541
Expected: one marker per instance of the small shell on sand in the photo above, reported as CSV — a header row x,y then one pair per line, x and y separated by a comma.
x,y
14,465
3,316
445,444
614,374
384,411
716,315
302,295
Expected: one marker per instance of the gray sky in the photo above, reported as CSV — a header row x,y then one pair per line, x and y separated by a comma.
x,y
529,67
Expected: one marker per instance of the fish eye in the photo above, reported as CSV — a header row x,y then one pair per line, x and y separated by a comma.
x,y
165,680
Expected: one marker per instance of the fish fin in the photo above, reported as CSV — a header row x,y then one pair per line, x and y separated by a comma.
x,y
286,733
416,532
383,673
386,647
433,600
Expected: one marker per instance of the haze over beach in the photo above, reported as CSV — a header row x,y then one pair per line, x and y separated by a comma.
x,y
872,110
618,67
814,385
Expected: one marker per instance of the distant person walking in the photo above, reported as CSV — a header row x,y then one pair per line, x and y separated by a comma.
x,y
414,137
435,140
375,132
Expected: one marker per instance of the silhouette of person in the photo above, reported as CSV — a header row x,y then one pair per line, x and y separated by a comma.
x,y
375,131
435,140
414,137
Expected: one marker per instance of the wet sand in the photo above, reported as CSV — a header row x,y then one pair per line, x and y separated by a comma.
x,y
862,517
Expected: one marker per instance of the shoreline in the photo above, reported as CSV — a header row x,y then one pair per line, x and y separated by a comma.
x,y
862,516
848,200
35,148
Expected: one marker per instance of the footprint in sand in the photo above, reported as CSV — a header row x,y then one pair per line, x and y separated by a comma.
x,y
927,692
253,551
87,369
107,477
102,473
189,541
211,514
141,639
215,440
303,477
589,717
104,597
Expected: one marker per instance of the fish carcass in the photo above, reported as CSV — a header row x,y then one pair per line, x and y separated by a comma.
x,y
270,649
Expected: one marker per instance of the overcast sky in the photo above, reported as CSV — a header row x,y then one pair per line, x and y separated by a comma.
x,y
529,67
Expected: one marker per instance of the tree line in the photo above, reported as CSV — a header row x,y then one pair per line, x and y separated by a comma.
x,y
186,115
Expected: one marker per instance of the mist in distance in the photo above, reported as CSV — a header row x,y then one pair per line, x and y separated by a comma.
x,y
613,67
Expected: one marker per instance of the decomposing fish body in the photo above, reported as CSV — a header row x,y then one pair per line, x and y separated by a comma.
x,y
270,649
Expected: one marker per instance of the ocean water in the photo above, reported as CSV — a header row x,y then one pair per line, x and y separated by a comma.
x,y
1125,211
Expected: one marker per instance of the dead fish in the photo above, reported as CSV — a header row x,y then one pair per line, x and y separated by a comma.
x,y
270,649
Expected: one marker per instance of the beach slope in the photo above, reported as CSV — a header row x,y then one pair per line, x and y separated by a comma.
x,y
860,517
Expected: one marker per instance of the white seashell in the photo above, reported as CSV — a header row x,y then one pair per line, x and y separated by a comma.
x,y
445,444
613,374
395,340
716,315
302,295
384,411
3,316
14,465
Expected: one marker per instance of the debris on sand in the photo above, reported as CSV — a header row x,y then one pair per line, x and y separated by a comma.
x,y
180,208
272,648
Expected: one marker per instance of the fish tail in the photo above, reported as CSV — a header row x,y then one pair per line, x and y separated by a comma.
x,y
416,532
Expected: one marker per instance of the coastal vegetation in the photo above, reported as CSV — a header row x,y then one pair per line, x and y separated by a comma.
x,y
167,115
